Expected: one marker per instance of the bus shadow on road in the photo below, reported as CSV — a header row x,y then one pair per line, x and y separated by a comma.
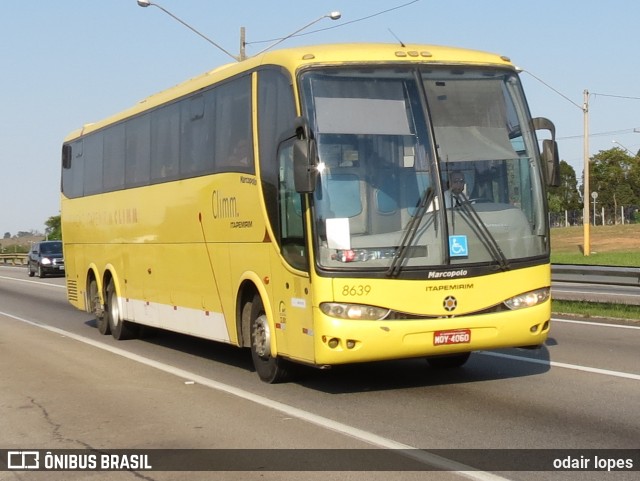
x,y
412,373
192,346
482,366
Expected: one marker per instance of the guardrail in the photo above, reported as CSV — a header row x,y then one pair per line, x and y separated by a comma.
x,y
13,259
617,276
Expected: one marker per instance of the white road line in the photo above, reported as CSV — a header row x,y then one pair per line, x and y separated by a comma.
x,y
595,370
589,323
359,434
351,431
33,282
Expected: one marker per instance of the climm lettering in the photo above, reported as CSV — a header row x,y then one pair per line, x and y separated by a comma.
x,y
224,207
452,287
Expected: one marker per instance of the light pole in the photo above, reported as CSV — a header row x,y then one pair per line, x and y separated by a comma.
x,y
146,3
332,16
616,142
586,248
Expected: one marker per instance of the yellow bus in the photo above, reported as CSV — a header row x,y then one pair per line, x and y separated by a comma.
x,y
298,204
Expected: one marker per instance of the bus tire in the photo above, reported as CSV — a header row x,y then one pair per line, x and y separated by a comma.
x,y
448,362
96,307
120,329
270,369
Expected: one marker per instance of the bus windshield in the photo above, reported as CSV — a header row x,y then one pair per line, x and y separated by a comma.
x,y
423,167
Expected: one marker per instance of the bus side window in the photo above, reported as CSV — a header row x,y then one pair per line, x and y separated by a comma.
x,y
233,146
165,143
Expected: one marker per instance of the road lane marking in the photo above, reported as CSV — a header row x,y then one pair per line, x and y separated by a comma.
x,y
356,433
595,370
33,282
589,323
370,438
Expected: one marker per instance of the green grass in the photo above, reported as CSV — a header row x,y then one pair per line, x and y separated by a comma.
x,y
624,259
596,309
617,245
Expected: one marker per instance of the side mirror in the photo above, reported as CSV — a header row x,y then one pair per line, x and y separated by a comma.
x,y
305,173
304,170
550,156
551,163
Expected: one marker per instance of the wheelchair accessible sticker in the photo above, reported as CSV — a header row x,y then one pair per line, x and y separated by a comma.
x,y
458,246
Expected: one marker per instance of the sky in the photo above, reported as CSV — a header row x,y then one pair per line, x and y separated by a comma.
x,y
65,63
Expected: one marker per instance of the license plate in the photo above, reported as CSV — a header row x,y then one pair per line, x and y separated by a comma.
x,y
457,336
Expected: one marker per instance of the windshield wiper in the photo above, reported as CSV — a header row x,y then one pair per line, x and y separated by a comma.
x,y
409,234
480,229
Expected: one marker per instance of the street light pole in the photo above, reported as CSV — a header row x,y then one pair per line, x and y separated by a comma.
x,y
332,16
586,248
243,43
628,151
146,3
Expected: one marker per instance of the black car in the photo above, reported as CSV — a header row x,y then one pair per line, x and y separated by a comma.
x,y
46,258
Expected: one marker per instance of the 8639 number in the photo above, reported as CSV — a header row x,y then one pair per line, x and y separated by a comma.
x,y
356,290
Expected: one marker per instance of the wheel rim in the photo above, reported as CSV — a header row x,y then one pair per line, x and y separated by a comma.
x,y
262,337
114,311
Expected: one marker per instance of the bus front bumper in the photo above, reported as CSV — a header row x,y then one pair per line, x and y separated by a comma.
x,y
339,341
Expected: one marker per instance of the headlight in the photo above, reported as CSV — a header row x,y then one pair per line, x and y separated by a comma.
x,y
353,311
528,299
45,261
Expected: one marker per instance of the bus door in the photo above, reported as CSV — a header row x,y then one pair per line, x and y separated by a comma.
x,y
292,301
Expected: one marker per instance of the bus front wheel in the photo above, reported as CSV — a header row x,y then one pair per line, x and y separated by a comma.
x,y
270,369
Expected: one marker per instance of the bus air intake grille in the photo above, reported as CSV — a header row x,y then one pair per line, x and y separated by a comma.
x,y
72,290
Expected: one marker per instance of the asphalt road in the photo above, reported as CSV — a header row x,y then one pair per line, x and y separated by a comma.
x,y
64,386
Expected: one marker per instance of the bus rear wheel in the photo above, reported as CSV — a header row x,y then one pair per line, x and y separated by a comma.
x,y
96,307
120,329
270,369
447,362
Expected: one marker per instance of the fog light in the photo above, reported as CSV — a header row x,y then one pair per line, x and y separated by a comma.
x,y
351,344
534,328
333,343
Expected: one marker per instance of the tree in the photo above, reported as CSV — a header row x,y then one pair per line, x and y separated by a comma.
x,y
633,178
566,195
614,176
53,230
7,235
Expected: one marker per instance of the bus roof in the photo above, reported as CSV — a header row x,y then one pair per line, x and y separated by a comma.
x,y
298,57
